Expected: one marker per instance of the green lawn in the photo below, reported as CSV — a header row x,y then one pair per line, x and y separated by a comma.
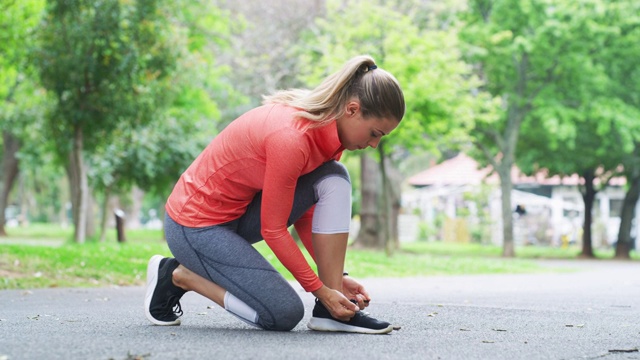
x,y
43,256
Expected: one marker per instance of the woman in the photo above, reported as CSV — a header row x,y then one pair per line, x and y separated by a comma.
x,y
273,167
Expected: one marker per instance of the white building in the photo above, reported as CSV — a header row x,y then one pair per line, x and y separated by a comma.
x,y
456,201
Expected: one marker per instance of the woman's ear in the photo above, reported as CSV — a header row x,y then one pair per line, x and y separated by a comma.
x,y
353,107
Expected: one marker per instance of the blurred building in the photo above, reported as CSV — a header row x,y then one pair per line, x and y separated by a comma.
x,y
457,201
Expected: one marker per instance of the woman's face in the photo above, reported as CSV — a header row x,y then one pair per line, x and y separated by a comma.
x,y
356,132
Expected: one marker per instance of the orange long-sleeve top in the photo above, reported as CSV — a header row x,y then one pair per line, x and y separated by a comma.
x,y
266,149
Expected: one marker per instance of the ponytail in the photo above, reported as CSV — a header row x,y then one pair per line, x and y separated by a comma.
x,y
378,91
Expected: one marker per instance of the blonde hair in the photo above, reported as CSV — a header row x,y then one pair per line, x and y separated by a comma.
x,y
378,91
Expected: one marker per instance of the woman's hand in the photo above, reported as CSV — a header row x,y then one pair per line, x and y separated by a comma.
x,y
338,305
353,290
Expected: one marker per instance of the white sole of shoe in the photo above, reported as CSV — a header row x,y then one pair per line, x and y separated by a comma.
x,y
152,281
320,324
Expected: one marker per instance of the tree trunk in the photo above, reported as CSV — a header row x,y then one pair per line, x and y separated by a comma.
x,y
387,213
588,196
516,112
504,171
135,208
396,202
623,245
10,170
90,227
162,212
106,211
369,235
79,187
392,179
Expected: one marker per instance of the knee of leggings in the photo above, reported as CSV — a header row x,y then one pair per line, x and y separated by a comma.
x,y
337,168
287,316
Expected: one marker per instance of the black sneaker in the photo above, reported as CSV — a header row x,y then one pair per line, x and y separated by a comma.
x,y
162,299
322,320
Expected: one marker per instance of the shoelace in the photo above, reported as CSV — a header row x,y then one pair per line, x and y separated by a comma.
x,y
364,313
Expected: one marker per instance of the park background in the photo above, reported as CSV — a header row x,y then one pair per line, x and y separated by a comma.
x,y
103,104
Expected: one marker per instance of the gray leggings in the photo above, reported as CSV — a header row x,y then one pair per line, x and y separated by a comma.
x,y
224,254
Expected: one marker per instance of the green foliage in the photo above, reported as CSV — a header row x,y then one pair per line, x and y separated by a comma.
x,y
17,20
42,256
20,99
436,83
515,45
152,156
72,265
105,62
584,120
56,262
139,77
143,78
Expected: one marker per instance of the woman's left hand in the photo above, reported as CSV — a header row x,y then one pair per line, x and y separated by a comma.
x,y
354,291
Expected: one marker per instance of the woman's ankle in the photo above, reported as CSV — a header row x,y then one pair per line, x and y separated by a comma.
x,y
179,277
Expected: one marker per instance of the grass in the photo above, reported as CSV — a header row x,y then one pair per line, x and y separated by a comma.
x,y
43,256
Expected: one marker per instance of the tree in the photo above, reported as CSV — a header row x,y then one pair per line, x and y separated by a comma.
x,y
19,100
519,49
561,140
620,63
435,81
580,124
263,54
632,173
149,156
105,63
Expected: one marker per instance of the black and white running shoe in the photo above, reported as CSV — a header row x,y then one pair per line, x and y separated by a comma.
x,y
162,299
362,323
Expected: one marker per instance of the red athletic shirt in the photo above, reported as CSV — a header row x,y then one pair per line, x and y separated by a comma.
x,y
267,149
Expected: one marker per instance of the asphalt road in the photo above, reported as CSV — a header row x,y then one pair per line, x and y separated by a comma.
x,y
593,313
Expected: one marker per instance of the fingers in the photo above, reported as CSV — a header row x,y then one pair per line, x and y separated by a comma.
x,y
349,305
343,314
357,292
341,308
362,301
365,294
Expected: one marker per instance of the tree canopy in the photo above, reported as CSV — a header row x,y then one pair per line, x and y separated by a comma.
x,y
124,94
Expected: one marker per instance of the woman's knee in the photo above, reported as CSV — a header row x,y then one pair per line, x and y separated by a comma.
x,y
286,315
336,168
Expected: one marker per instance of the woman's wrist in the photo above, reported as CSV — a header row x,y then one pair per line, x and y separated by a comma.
x,y
320,293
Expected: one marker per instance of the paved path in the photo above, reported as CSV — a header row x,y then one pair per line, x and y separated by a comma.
x,y
593,313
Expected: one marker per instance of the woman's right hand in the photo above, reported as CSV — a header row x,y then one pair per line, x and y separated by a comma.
x,y
338,305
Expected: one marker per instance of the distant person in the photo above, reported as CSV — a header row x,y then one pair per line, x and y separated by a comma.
x,y
275,166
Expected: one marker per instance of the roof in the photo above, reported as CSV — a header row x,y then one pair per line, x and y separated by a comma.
x,y
460,170
463,170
